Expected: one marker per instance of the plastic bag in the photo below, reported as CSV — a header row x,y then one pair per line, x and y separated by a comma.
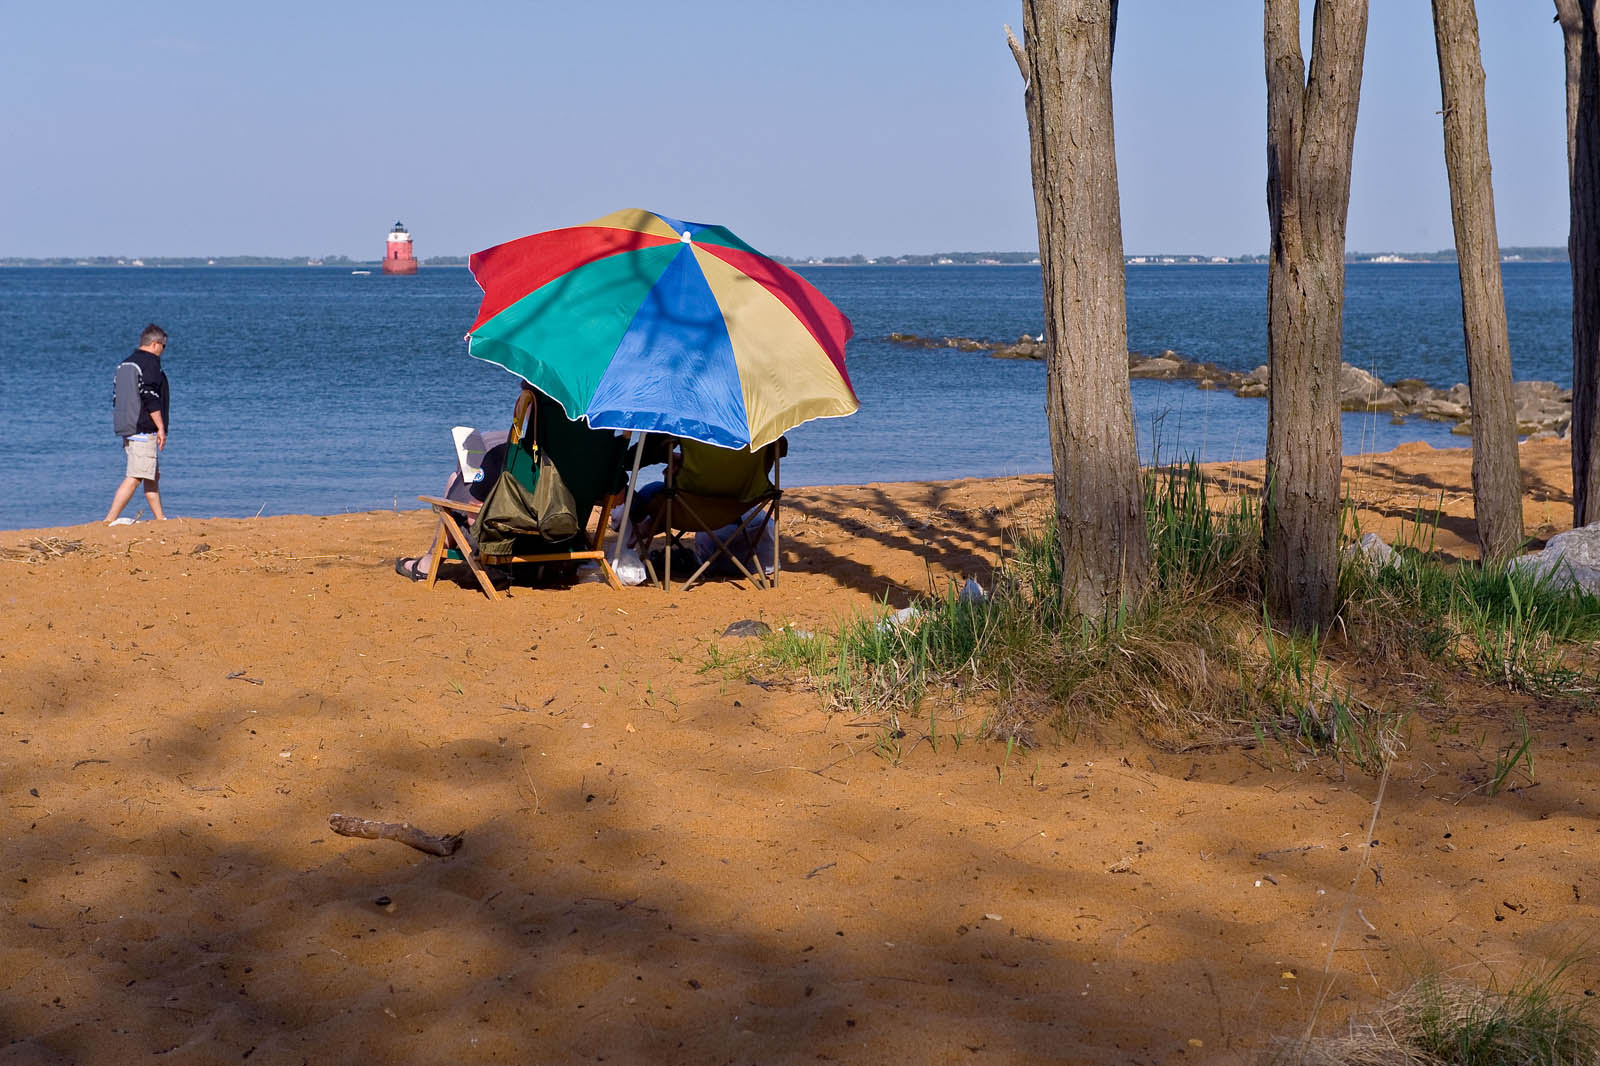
x,y
754,545
628,565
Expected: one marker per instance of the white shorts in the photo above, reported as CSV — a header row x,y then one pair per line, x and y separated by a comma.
x,y
141,452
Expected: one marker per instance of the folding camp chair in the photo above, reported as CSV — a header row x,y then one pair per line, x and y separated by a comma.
x,y
677,512
588,462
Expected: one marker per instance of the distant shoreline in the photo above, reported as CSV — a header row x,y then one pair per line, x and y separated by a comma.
x,y
376,264
1508,254
214,263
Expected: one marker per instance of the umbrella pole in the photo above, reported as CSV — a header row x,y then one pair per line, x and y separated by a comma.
x,y
627,502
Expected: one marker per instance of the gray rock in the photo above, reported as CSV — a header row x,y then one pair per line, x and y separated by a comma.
x,y
1023,349
913,340
1362,391
1523,391
747,627
1357,388
1371,550
1569,560
1387,400
1542,407
1159,366
1440,409
1413,390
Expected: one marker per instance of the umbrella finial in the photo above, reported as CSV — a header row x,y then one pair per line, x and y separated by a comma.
x,y
684,237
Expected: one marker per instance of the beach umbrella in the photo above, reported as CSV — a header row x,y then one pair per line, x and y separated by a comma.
x,y
641,322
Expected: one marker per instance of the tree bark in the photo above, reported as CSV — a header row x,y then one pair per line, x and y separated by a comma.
x,y
1571,22
1311,127
1577,19
1066,63
1496,468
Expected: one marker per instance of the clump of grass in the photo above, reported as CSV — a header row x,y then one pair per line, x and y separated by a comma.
x,y
1173,655
1517,623
1535,1022
1517,753
877,662
1196,547
1511,627
1318,714
1196,654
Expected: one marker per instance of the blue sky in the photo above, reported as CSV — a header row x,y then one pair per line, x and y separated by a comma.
x,y
823,128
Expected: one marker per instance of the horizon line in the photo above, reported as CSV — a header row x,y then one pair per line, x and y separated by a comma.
x,y
1015,258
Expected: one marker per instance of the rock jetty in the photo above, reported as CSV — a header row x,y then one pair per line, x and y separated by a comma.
x,y
1544,409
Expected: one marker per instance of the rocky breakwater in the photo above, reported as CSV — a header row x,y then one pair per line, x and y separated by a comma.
x,y
1544,409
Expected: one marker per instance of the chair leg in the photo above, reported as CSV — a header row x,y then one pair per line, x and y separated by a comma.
x,y
468,555
724,549
437,552
644,554
666,568
598,543
758,576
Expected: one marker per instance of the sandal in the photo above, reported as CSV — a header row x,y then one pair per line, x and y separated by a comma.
x,y
411,568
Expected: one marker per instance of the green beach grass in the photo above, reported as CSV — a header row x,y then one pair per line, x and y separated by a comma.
x,y
1198,657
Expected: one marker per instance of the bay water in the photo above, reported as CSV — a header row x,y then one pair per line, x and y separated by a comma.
x,y
317,391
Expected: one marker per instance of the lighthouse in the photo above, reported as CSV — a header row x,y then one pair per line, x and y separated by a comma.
x,y
397,257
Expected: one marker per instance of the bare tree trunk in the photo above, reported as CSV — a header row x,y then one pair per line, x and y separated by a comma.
x,y
1311,129
1571,21
1577,19
1496,468
1066,64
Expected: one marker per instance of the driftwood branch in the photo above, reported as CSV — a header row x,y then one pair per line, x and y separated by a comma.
x,y
1019,54
404,832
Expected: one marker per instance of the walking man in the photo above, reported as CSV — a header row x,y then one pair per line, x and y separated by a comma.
x,y
139,405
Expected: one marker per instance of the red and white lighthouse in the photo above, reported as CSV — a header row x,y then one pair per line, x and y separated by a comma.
x,y
397,257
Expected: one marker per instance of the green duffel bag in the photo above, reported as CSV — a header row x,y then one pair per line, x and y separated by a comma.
x,y
529,499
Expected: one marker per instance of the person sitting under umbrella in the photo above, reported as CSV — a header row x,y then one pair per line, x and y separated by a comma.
x,y
575,450
699,469
458,488
720,494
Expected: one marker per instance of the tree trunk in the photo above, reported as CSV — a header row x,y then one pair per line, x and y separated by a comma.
x,y
1571,21
1496,468
1311,130
1066,63
1577,19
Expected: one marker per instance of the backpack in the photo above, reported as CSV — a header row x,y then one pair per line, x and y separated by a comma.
x,y
126,406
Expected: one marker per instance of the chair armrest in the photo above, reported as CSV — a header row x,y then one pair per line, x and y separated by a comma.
x,y
440,504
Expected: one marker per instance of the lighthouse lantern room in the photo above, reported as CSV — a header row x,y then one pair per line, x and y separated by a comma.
x,y
397,257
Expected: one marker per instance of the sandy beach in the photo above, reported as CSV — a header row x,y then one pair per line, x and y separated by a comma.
x,y
675,855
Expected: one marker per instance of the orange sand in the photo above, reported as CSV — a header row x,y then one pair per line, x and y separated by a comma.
x,y
665,864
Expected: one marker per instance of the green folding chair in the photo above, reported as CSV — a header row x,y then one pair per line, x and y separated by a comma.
x,y
749,495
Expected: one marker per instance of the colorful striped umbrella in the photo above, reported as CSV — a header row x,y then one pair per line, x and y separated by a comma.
x,y
637,321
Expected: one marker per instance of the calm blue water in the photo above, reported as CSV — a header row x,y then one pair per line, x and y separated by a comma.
x,y
316,391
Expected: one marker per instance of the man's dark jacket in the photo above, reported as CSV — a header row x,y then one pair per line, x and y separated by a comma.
x,y
141,388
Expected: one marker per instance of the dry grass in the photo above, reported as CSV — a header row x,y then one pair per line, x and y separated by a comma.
x,y
1440,1022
